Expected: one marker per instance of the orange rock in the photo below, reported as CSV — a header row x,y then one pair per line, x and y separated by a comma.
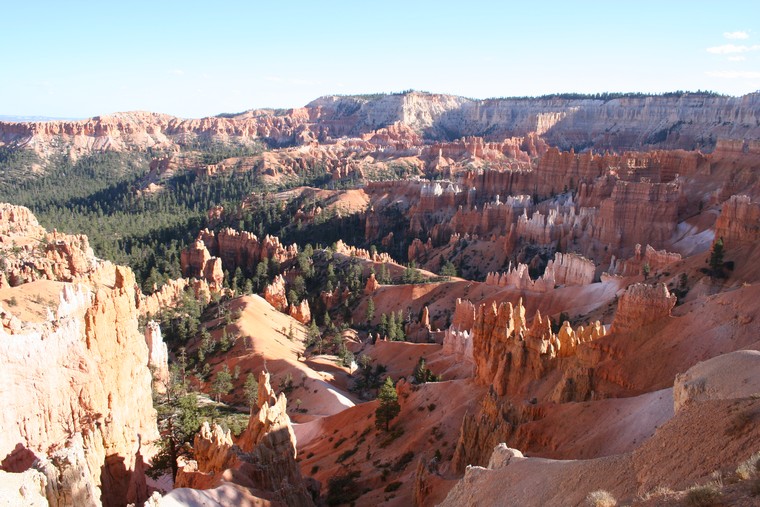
x,y
301,312
275,293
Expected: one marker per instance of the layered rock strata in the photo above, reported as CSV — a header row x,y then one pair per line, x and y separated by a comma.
x,y
642,304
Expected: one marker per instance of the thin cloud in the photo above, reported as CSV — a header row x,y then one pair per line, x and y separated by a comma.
x,y
726,49
736,35
734,74
177,72
736,58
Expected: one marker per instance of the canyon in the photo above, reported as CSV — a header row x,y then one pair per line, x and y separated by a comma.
x,y
561,291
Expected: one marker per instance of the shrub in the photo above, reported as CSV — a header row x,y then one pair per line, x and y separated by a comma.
x,y
703,496
393,486
749,468
343,489
601,498
403,461
347,454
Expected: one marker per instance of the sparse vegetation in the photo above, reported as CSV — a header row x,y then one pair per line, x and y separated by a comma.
x,y
343,489
749,468
703,496
601,498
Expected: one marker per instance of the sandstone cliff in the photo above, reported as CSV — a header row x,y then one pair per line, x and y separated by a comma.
x,y
395,122
81,405
106,399
685,121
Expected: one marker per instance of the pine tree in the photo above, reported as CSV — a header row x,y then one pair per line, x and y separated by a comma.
x,y
222,383
383,325
392,329
178,419
251,389
716,258
370,310
389,407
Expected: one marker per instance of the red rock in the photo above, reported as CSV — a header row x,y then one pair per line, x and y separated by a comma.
x,y
642,304
371,285
301,312
739,221
275,293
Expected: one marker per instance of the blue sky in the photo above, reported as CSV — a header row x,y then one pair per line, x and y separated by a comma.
x,y
78,59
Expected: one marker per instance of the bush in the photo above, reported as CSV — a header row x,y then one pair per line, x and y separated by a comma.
x,y
703,496
343,489
403,461
749,468
601,498
347,454
393,486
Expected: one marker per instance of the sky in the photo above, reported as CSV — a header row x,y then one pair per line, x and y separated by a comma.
x,y
76,59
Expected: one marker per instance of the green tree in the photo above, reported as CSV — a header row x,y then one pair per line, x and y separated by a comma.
x,y
716,258
370,310
423,374
400,333
178,421
392,327
222,383
251,389
448,269
383,325
389,406
314,334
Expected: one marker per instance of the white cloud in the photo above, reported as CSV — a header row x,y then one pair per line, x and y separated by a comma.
x,y
732,48
734,74
736,35
736,58
177,72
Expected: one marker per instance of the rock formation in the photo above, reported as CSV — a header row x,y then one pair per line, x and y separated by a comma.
x,y
655,260
263,460
228,250
727,376
275,293
113,408
26,488
507,352
689,121
642,304
301,312
371,285
171,293
81,395
197,262
739,220
158,355
564,269
638,212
